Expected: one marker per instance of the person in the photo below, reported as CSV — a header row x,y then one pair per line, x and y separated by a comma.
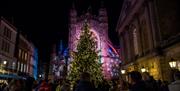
x,y
35,84
65,86
123,85
75,85
44,86
17,85
84,83
159,84
29,83
150,82
136,82
58,88
175,86
164,86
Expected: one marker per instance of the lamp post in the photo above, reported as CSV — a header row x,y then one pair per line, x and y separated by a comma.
x,y
173,66
4,62
123,71
143,70
4,66
173,63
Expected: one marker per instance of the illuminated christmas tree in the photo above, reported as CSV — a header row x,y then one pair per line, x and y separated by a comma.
x,y
86,58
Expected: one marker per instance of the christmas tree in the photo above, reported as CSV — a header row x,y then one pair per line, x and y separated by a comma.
x,y
86,58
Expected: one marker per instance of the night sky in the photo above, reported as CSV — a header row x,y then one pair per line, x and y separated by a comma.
x,y
46,22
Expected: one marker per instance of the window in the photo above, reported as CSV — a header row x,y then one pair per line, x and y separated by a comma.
x,y
21,67
14,65
9,35
7,32
27,70
22,56
128,51
145,35
20,52
8,47
18,66
24,68
25,56
5,46
135,41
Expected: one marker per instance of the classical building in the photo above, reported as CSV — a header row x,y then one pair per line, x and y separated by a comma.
x,y
149,34
18,56
7,47
27,57
99,27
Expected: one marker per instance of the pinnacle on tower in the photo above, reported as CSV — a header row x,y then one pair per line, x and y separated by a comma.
x,y
73,5
73,12
102,10
102,3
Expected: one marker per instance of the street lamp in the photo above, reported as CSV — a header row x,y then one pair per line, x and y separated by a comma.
x,y
143,70
123,71
5,62
40,76
172,63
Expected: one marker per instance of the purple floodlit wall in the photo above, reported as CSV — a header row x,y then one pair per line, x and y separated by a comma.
x,y
109,57
57,63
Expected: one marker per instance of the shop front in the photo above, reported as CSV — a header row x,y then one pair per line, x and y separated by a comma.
x,y
153,65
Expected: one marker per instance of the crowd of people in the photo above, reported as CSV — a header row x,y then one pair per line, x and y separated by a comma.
x,y
146,82
136,82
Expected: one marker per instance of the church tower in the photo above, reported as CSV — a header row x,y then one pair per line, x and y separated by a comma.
x,y
103,19
72,26
99,28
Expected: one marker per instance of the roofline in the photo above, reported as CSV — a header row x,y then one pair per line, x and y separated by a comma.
x,y
128,18
7,22
119,18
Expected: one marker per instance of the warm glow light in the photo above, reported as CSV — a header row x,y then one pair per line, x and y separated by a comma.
x,y
40,76
123,71
172,64
143,70
5,62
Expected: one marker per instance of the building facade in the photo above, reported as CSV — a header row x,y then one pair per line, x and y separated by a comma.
x,y
99,28
149,36
59,62
18,56
27,57
33,65
8,35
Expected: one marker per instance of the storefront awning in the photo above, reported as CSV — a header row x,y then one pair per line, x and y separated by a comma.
x,y
10,76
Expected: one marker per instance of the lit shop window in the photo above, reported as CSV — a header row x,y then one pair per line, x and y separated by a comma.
x,y
25,56
24,67
14,65
19,53
18,66
21,67
27,68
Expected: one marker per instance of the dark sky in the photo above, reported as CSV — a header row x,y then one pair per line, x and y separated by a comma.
x,y
45,22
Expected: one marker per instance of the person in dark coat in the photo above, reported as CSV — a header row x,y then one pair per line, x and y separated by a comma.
x,y
150,82
136,82
84,83
175,86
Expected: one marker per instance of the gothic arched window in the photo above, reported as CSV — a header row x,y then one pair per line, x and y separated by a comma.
x,y
135,41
